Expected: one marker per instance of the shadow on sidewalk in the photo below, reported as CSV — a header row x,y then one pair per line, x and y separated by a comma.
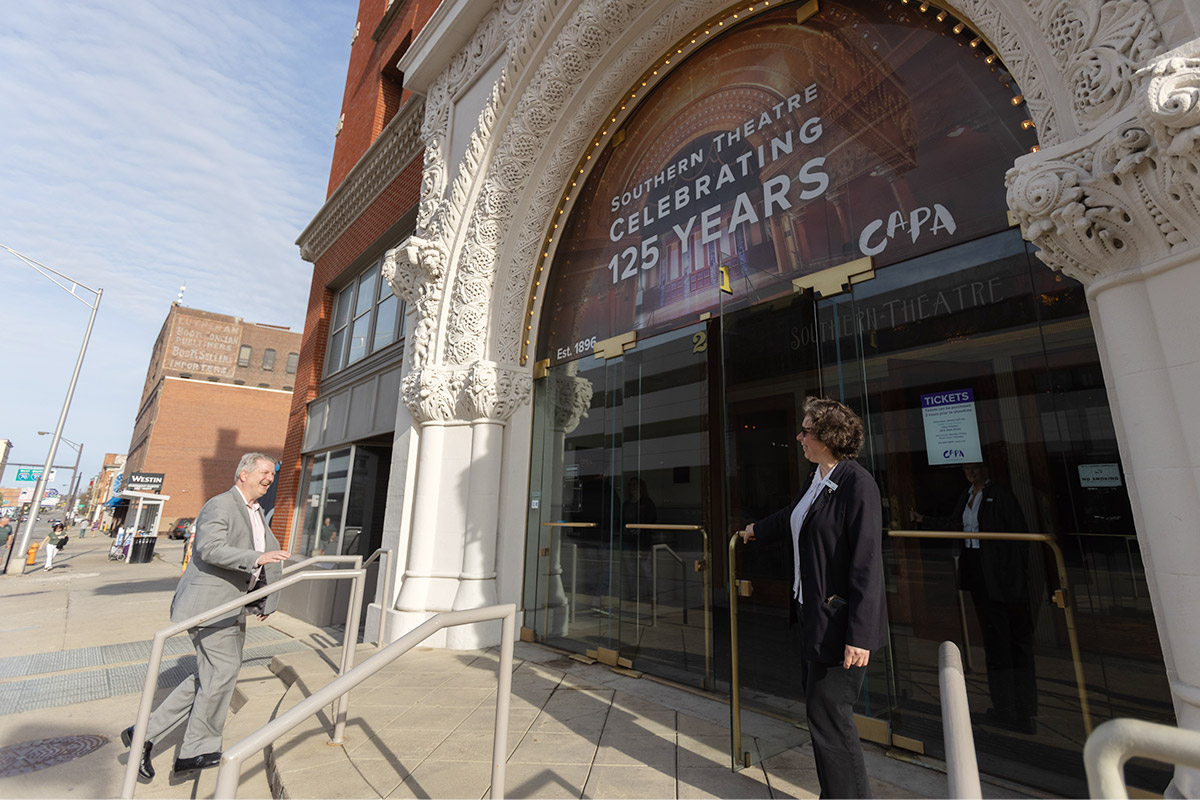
x,y
167,584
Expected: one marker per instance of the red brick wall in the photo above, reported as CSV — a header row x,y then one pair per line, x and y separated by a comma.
x,y
401,196
201,431
369,102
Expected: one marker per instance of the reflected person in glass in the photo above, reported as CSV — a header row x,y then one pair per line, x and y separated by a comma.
x,y
835,525
996,574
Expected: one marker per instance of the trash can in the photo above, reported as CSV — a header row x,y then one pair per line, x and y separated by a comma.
x,y
143,549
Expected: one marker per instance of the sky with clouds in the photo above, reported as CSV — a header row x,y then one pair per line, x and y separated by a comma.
x,y
144,145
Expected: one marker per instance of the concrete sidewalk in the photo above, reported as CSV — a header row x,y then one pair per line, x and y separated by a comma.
x,y
73,644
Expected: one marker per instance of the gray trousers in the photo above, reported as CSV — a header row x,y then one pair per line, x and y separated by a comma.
x,y
203,698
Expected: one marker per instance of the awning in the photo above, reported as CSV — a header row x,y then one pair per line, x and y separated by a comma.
x,y
130,494
116,501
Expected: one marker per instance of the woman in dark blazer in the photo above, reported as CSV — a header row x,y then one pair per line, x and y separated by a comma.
x,y
835,525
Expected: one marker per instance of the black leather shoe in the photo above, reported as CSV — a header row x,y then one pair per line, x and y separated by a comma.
x,y
145,768
203,761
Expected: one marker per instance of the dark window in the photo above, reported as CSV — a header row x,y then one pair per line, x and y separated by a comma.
x,y
268,359
244,356
367,316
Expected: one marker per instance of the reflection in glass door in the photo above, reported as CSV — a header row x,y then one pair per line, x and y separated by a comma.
x,y
1054,624
323,498
618,523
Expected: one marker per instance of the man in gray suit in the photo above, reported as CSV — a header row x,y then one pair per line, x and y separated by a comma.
x,y
234,552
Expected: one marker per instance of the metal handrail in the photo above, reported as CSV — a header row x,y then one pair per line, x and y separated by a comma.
x,y
554,526
654,551
1118,740
701,565
231,761
962,770
355,560
384,555
160,638
1062,597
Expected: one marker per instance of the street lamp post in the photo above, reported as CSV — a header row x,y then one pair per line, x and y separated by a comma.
x,y
60,280
74,471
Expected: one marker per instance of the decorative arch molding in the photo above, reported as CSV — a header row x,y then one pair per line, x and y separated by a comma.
x,y
1127,196
469,268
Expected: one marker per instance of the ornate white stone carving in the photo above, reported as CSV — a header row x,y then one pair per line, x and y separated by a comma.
x,y
1001,24
571,396
494,392
483,391
1127,197
1099,44
431,393
415,270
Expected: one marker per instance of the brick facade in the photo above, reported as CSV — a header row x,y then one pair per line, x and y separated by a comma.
x,y
200,431
374,88
201,409
373,95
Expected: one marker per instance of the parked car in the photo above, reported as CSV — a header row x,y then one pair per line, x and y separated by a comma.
x,y
181,528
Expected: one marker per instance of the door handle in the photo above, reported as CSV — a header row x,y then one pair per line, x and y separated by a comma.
x,y
745,588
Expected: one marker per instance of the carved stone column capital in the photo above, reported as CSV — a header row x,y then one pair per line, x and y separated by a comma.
x,y
1125,196
493,392
431,393
482,391
571,397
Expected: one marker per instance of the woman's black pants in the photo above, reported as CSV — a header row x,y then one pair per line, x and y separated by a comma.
x,y
829,696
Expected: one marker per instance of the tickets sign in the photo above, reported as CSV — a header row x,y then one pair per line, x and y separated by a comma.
x,y
951,427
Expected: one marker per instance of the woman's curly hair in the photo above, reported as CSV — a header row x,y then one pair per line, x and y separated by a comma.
x,y
836,426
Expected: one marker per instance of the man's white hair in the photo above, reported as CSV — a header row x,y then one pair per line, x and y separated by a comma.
x,y
247,463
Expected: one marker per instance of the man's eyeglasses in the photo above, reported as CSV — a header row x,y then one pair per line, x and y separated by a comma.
x,y
806,432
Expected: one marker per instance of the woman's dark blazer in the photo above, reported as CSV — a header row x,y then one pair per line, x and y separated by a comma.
x,y
840,554
1005,565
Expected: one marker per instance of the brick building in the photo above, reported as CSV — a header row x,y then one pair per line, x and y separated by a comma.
x,y
103,487
216,387
339,446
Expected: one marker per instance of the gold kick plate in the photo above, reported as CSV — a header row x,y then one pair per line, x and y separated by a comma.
x,y
610,657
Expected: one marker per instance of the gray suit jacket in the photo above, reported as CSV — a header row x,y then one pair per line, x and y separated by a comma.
x,y
222,564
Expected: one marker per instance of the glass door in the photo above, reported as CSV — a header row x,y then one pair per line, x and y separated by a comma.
x,y
780,344
618,525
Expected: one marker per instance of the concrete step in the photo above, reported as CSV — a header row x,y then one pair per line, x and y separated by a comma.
x,y
302,762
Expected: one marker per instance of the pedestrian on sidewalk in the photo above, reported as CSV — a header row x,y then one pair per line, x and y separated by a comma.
x,y
234,553
50,543
7,539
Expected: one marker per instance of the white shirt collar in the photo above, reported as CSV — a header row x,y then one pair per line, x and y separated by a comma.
x,y
249,504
